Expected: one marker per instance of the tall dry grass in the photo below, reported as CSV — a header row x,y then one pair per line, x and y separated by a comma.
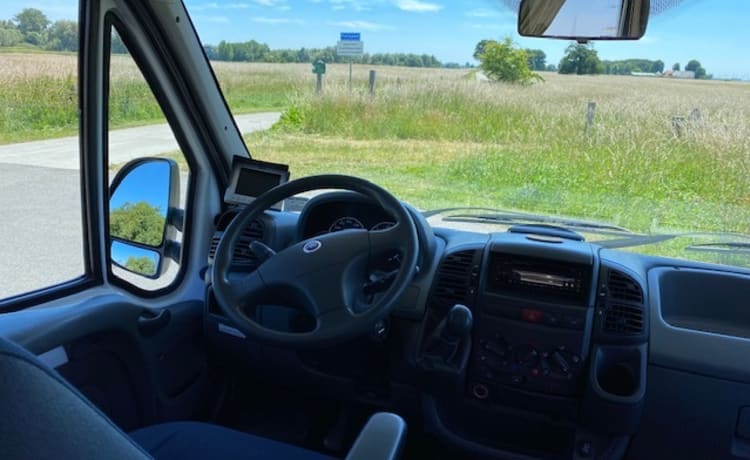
x,y
526,146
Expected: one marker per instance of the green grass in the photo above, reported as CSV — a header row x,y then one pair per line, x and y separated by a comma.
x,y
459,142
38,99
439,138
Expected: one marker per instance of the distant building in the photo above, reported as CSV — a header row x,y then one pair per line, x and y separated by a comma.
x,y
686,74
645,74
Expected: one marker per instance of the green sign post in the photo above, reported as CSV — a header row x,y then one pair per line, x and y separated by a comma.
x,y
319,69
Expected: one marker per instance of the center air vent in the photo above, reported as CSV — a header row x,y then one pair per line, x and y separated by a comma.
x,y
624,310
242,255
623,287
457,279
623,319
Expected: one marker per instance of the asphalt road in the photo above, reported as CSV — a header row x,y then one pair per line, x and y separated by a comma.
x,y
124,144
40,202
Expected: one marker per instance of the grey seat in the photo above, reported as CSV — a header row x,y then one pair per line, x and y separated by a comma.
x,y
42,416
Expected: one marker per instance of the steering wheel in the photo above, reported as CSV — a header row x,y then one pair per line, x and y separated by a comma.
x,y
323,275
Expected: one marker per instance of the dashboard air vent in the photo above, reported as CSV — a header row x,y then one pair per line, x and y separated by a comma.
x,y
455,282
242,255
623,287
623,319
624,309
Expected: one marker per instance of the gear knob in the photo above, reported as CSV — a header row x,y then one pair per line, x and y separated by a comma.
x,y
459,322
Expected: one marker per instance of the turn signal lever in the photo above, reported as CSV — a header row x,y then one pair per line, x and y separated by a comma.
x,y
445,345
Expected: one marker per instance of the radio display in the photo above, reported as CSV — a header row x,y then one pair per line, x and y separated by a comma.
x,y
544,279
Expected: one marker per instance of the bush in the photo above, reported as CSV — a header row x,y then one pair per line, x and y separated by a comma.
x,y
504,62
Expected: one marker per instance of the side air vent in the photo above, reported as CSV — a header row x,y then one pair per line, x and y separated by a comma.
x,y
623,319
242,255
624,310
623,287
456,280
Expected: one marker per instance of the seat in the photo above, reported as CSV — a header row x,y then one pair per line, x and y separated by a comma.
x,y
42,416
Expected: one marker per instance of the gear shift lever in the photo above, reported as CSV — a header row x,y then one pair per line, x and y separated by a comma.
x,y
458,324
450,338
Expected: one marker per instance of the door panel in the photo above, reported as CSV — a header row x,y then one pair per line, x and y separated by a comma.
x,y
137,379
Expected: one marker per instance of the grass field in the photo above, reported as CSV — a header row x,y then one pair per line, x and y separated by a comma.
x,y
38,94
439,138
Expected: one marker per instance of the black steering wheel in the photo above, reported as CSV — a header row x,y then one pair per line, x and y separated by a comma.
x,y
324,275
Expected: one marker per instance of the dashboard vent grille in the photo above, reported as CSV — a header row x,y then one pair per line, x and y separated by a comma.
x,y
455,282
624,310
242,255
623,287
624,319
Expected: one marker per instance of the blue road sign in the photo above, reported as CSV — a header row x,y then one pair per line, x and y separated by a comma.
x,y
351,36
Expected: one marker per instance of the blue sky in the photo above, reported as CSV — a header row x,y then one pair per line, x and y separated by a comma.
x,y
451,29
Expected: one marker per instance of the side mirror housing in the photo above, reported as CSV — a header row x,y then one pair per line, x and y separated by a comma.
x,y
584,20
144,216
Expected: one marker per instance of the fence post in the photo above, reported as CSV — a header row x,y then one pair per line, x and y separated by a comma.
x,y
319,84
678,125
372,82
590,114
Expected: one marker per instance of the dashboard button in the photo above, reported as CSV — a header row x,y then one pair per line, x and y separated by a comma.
x,y
552,319
531,316
573,321
512,312
517,379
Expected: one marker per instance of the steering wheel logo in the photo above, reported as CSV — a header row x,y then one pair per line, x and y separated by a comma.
x,y
312,246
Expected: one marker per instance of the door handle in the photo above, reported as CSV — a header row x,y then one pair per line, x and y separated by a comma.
x,y
150,321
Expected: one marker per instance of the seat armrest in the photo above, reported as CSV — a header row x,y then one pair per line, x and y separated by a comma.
x,y
381,439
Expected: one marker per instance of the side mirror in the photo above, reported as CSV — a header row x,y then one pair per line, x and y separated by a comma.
x,y
144,216
584,20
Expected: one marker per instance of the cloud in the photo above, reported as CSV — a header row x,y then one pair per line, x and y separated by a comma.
x,y
270,2
483,13
418,6
214,19
356,5
216,6
265,20
361,25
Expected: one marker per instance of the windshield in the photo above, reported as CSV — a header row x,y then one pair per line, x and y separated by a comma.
x,y
637,145
446,106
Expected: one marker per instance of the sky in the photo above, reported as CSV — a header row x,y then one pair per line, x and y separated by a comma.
x,y
716,32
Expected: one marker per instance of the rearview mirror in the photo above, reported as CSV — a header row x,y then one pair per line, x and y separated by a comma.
x,y
584,20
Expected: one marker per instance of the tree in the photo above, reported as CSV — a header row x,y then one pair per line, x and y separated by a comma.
x,y
139,222
479,49
537,59
63,36
676,67
32,24
695,66
658,66
142,265
504,62
580,59
9,34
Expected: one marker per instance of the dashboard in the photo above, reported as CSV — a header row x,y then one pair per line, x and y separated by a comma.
x,y
566,338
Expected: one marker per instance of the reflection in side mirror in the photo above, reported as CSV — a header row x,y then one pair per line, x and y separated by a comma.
x,y
144,216
140,202
584,20
135,259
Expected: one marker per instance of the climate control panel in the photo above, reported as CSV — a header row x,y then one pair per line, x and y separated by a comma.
x,y
542,366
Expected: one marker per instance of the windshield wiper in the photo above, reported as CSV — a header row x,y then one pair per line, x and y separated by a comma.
x,y
728,246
